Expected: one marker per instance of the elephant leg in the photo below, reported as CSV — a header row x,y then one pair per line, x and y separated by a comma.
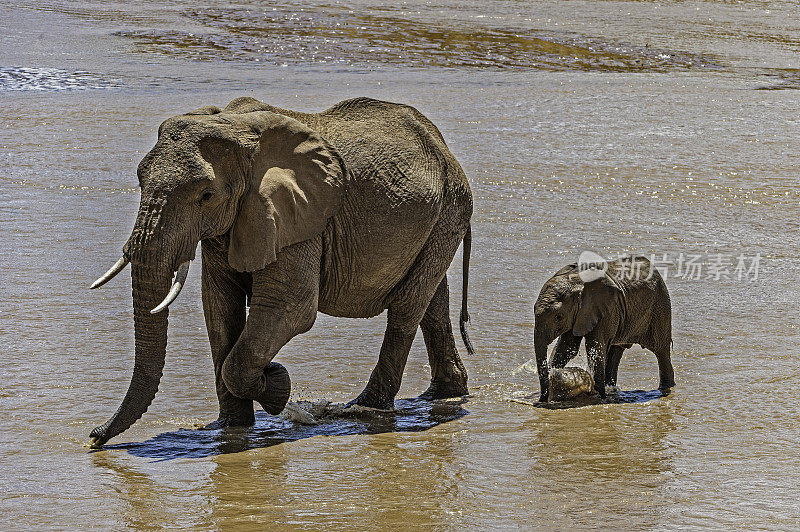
x,y
408,303
448,376
612,364
384,382
596,352
566,349
225,315
283,305
665,372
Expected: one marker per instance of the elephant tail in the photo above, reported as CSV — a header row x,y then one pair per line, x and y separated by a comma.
x,y
464,318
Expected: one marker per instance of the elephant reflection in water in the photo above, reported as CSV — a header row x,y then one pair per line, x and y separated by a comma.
x,y
349,212
624,457
143,495
367,470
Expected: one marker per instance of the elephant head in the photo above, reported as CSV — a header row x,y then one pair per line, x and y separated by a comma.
x,y
567,304
258,179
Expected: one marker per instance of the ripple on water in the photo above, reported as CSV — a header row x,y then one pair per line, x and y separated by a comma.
x,y
50,80
288,35
780,79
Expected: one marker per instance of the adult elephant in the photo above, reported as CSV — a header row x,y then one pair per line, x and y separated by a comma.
x,y
351,211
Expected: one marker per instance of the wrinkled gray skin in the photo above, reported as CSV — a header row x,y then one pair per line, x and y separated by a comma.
x,y
612,313
351,211
569,383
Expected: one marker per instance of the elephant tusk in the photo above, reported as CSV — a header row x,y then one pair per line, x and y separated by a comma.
x,y
113,271
180,279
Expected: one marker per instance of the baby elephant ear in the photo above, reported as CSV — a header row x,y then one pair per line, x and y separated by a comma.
x,y
295,185
596,299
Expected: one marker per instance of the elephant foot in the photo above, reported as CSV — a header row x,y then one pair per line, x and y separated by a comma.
x,y
368,399
233,411
277,387
444,390
224,422
601,392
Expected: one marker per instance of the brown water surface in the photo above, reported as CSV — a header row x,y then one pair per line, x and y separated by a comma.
x,y
612,126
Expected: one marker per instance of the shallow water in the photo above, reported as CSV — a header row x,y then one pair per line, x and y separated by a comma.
x,y
664,128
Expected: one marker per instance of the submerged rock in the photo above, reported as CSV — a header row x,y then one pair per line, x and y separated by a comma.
x,y
569,383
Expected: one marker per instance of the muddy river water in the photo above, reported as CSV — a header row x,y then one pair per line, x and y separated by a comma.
x,y
662,128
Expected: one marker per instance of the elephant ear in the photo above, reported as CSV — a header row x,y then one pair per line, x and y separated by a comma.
x,y
295,184
568,269
596,299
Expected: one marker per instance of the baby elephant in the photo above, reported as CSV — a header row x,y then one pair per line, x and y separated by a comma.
x,y
624,303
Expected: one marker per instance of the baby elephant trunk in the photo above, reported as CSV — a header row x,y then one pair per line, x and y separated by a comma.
x,y
568,383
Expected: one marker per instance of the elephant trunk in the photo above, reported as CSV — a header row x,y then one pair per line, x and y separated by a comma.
x,y
149,287
540,342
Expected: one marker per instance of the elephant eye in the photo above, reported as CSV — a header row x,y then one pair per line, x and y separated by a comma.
x,y
206,195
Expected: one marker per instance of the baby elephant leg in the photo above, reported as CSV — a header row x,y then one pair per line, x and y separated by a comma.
x,y
612,364
596,352
566,349
665,372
